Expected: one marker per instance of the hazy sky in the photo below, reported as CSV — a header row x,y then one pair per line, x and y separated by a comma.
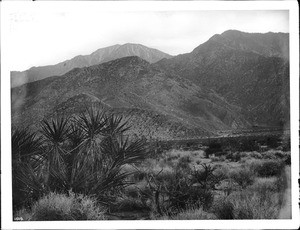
x,y
50,36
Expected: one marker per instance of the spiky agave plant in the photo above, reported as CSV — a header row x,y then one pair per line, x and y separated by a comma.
x,y
55,133
84,154
25,145
119,151
26,171
91,125
102,152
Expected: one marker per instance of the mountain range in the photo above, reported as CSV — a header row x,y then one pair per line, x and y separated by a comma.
x,y
233,81
99,56
249,70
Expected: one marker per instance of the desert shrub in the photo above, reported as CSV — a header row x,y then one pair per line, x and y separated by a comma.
x,y
179,199
255,155
139,175
273,142
253,205
286,145
66,207
233,156
128,204
132,191
280,154
22,215
268,168
183,190
228,186
270,155
243,154
155,167
220,153
287,160
207,177
172,192
214,159
223,209
264,184
171,157
233,145
247,204
218,158
184,163
213,147
206,198
243,176
166,176
249,145
190,214
222,171
185,159
282,182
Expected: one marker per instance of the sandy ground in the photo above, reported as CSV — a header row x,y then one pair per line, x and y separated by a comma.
x,y
286,211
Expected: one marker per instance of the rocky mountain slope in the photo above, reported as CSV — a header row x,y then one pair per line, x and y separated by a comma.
x,y
233,81
154,101
250,71
99,56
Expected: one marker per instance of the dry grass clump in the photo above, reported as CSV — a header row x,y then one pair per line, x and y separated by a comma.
x,y
247,205
255,155
223,208
56,206
22,215
261,200
255,205
263,184
154,166
243,176
217,158
267,168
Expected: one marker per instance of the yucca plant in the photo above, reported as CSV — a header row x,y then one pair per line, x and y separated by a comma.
x,y
118,153
25,145
84,153
55,135
26,160
101,152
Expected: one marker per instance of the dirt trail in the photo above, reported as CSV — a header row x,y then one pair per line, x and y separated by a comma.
x,y
286,210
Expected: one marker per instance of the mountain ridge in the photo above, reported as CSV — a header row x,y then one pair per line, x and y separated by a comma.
x,y
223,84
129,83
97,57
233,67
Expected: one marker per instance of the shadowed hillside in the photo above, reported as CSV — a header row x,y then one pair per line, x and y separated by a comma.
x,y
130,84
233,81
250,71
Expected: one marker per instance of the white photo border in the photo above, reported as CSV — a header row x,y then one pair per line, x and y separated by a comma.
x,y
6,177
